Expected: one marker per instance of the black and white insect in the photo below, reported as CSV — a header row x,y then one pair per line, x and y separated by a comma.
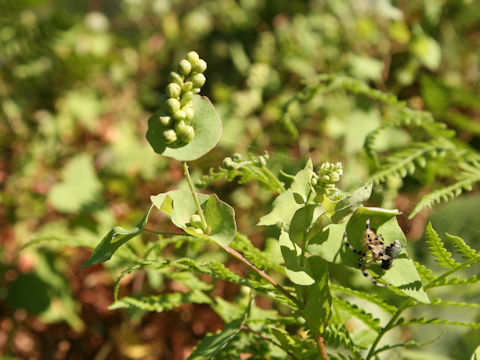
x,y
375,250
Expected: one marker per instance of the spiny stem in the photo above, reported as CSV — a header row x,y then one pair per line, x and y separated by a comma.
x,y
194,194
262,273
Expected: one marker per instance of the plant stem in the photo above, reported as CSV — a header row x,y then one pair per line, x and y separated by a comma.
x,y
194,194
244,327
387,328
165,233
321,348
269,175
262,273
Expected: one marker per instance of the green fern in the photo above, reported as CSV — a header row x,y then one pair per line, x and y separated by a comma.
x,y
468,176
442,256
366,296
360,314
462,248
161,303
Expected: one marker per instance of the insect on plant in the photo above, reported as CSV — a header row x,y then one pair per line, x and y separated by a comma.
x,y
374,250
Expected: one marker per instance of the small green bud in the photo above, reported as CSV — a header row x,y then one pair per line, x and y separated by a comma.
x,y
228,163
187,86
261,162
314,181
176,78
173,90
198,80
196,90
199,231
196,221
325,178
180,126
199,66
165,120
173,105
334,177
192,57
170,136
184,67
237,157
189,113
179,115
187,133
187,97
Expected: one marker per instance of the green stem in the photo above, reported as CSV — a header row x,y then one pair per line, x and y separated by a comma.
x,y
165,233
262,273
269,175
194,194
387,328
466,264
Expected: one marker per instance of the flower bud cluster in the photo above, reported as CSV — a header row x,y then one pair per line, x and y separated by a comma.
x,y
177,114
328,175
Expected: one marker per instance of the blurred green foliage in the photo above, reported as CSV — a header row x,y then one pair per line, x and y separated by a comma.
x,y
78,81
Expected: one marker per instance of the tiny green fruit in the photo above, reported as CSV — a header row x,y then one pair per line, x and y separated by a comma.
x,y
176,78
186,133
199,66
173,105
192,57
165,120
198,80
184,67
173,90
170,136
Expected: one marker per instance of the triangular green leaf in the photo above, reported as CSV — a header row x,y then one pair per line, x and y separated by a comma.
x,y
113,240
291,254
284,207
329,244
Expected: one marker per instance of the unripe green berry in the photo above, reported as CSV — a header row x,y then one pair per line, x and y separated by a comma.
x,y
173,105
184,67
176,78
198,80
165,120
237,157
186,133
170,136
173,90
189,113
196,221
179,115
192,57
199,66
186,98
187,86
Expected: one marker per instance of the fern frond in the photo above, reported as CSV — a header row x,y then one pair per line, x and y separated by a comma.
x,y
404,162
441,302
408,344
442,256
468,176
444,281
336,335
423,320
424,272
360,314
161,303
242,244
462,248
366,296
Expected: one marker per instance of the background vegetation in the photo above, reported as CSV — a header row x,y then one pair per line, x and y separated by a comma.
x,y
78,81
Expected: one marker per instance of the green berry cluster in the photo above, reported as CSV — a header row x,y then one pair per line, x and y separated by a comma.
x,y
177,114
327,176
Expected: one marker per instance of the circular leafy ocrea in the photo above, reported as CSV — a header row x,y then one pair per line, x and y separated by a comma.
x,y
206,124
180,206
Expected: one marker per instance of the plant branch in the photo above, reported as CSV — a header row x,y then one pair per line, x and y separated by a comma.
x,y
165,233
245,327
262,273
387,328
194,194
273,178
321,348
